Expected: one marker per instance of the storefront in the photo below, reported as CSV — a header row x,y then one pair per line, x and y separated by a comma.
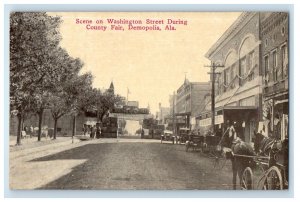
x,y
246,118
275,114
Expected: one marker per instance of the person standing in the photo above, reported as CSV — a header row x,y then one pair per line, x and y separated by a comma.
x,y
232,132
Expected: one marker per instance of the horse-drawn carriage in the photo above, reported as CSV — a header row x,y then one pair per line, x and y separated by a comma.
x,y
195,142
271,159
268,158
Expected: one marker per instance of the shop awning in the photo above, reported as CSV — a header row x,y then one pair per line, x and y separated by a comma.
x,y
236,107
183,114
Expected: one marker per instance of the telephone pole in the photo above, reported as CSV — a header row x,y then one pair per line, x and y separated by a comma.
x,y
213,72
173,113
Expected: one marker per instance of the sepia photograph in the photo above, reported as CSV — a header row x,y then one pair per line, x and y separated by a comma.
x,y
149,100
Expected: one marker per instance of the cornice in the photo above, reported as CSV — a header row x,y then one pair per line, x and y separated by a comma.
x,y
230,32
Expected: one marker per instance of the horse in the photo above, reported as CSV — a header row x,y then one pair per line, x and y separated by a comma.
x,y
241,156
276,150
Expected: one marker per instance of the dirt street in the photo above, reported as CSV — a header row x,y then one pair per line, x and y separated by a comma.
x,y
117,164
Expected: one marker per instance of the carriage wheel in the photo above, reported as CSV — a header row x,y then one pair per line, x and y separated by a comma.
x,y
219,162
247,179
273,179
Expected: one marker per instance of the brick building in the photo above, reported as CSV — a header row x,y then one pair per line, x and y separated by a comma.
x,y
274,33
238,94
253,85
190,99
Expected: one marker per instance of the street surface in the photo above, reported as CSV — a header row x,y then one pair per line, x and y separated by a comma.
x,y
115,164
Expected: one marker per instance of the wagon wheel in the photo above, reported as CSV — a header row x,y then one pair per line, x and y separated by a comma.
x,y
219,158
247,179
273,179
219,162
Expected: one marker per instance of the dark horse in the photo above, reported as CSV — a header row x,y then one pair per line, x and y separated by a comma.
x,y
242,154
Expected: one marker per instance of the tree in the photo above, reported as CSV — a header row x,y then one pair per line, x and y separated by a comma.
x,y
77,91
33,37
61,101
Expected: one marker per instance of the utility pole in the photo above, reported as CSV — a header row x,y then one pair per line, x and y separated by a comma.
x,y
173,113
213,72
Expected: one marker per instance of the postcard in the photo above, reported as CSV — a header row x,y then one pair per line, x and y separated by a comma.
x,y
149,101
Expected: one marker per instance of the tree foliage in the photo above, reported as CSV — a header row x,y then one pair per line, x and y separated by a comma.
x,y
44,76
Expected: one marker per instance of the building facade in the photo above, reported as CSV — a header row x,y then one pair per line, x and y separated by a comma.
x,y
190,99
162,114
275,62
238,83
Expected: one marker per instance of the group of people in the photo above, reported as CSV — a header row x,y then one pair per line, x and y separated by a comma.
x,y
92,131
29,130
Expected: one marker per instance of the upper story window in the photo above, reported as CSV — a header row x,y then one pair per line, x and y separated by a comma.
x,y
266,67
274,64
251,60
233,71
285,60
243,67
227,76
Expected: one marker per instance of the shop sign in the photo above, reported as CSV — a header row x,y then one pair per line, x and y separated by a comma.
x,y
207,122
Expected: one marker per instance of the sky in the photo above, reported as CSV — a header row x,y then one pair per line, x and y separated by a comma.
x,y
151,64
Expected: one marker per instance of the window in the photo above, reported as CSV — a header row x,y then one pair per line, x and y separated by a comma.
x,y
282,31
266,42
243,67
227,75
233,72
266,65
284,55
275,68
251,60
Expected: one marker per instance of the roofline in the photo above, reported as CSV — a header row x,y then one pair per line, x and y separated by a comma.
x,y
227,33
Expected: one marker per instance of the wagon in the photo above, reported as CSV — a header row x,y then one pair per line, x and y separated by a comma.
x,y
195,142
274,171
213,150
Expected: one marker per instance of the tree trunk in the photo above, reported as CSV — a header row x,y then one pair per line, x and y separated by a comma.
x,y
55,128
74,126
40,124
19,129
98,116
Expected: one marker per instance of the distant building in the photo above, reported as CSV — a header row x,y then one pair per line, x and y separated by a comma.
x,y
133,104
162,114
111,88
190,99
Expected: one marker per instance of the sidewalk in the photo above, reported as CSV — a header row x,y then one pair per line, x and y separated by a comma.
x,y
33,142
